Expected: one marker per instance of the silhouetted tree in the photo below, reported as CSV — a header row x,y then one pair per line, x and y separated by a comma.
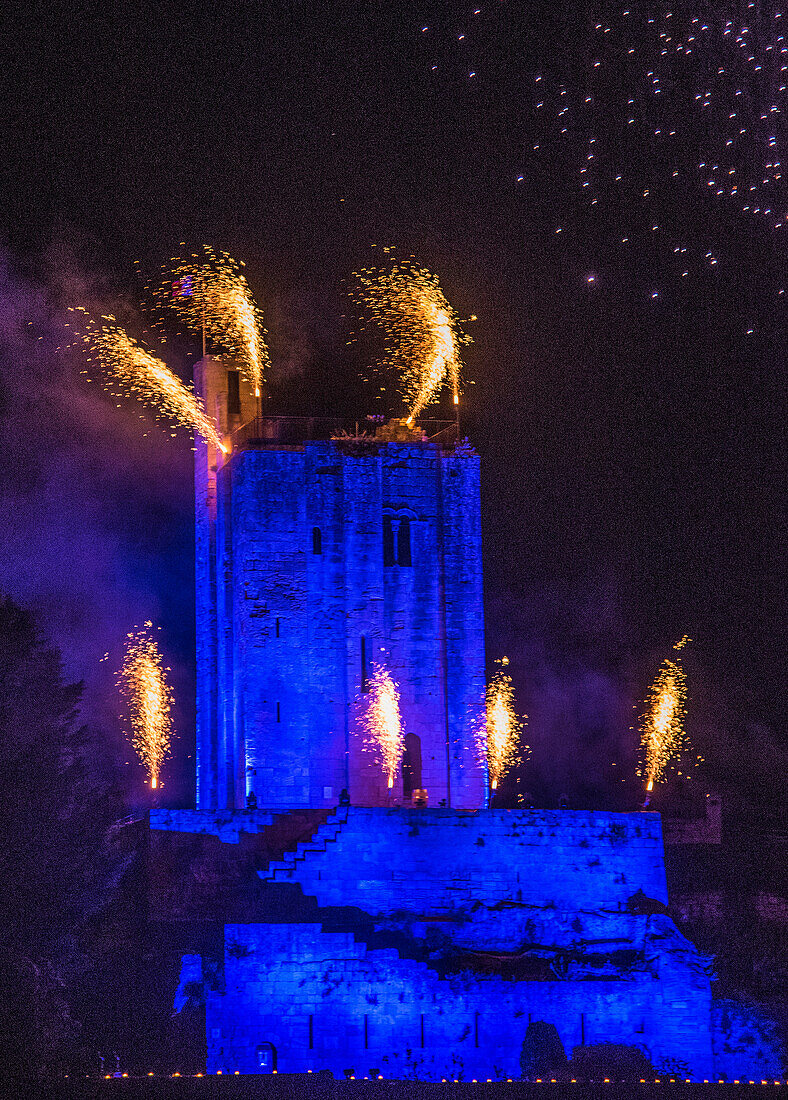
x,y
54,812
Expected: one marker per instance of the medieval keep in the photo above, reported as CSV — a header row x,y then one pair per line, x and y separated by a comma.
x,y
411,931
316,560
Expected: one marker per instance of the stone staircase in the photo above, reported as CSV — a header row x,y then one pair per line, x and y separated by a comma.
x,y
286,903
382,943
348,921
325,834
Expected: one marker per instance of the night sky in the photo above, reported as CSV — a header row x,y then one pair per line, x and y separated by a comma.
x,y
600,186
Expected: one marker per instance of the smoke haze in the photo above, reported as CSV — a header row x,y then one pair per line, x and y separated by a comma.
x,y
95,504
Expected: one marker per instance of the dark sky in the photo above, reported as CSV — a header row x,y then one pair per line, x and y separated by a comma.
x,y
583,180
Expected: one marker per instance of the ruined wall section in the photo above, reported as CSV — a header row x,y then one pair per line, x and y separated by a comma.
x,y
205,457
327,1002
230,756
217,782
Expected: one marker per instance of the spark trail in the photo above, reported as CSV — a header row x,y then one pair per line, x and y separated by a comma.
x,y
143,685
209,292
422,333
140,374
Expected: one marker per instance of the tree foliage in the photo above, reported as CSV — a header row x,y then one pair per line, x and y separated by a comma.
x,y
54,811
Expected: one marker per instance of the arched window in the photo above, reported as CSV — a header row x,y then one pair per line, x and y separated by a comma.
x,y
403,541
396,540
317,541
411,765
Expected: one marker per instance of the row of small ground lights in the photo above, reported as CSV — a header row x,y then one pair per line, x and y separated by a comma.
x,y
475,1081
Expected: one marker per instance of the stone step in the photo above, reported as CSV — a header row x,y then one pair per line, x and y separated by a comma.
x,y
305,846
270,873
325,834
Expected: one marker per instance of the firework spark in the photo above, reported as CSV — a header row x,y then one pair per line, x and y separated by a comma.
x,y
662,724
423,339
143,685
500,741
381,723
209,292
140,374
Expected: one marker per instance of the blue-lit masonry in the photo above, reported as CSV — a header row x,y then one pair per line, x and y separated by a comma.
x,y
316,560
418,941
435,936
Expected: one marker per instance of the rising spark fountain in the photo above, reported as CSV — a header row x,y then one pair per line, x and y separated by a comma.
x,y
140,374
662,725
210,294
381,724
499,740
423,338
143,684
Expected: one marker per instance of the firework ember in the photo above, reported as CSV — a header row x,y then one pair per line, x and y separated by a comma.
x,y
140,374
422,331
381,723
209,292
500,738
662,725
143,685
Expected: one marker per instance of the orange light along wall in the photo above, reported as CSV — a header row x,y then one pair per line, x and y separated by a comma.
x,y
315,561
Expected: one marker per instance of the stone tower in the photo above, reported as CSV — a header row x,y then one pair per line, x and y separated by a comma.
x,y
402,939
320,554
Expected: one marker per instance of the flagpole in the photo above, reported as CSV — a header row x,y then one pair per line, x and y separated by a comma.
x,y
202,285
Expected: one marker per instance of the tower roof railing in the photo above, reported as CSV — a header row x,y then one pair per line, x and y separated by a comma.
x,y
279,431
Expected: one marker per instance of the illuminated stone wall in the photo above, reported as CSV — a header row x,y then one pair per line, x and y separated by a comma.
x,y
227,825
326,1001
302,592
457,894
295,602
441,861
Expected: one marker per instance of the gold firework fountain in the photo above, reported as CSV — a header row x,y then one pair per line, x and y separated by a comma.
x,y
662,733
210,294
381,723
500,740
143,684
423,337
138,373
